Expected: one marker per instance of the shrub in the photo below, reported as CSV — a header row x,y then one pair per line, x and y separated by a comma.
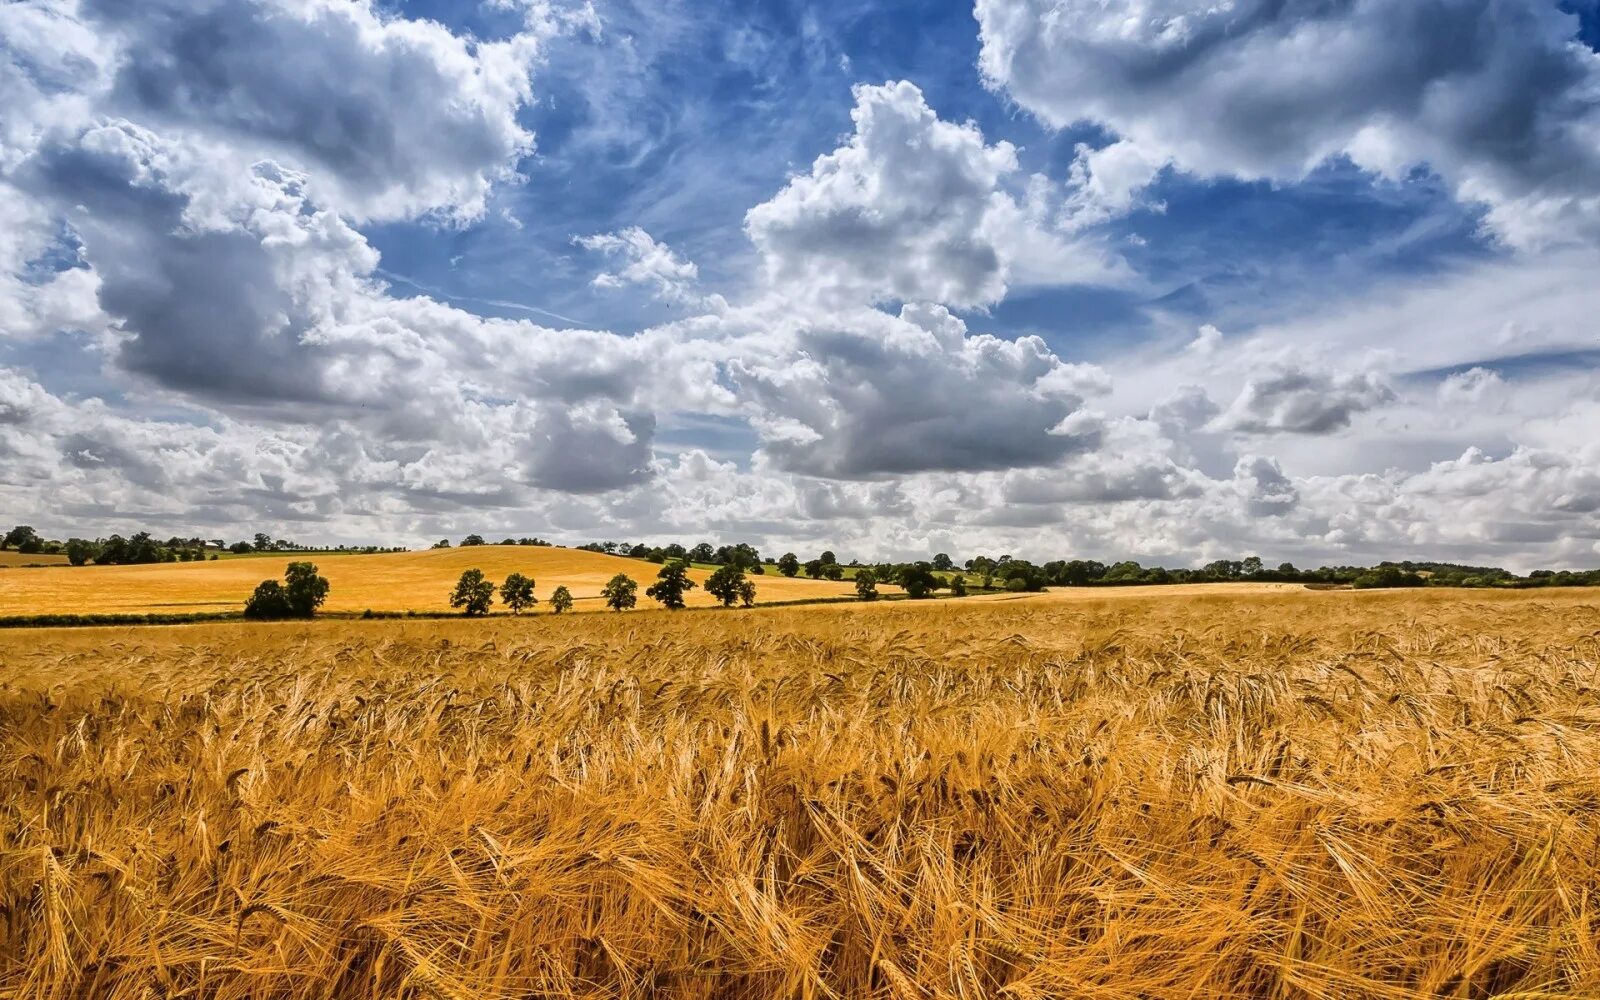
x,y
866,585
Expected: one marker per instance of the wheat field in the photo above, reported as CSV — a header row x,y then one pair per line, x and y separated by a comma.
x,y
1279,795
389,581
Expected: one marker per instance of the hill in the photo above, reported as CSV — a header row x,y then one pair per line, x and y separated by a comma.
x,y
396,581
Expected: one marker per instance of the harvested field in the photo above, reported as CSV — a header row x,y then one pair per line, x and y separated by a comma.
x,y
1142,795
393,581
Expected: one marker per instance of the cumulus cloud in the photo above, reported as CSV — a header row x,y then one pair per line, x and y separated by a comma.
x,y
1296,401
646,262
1495,96
865,394
913,208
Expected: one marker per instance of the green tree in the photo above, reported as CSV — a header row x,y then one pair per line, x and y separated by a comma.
x,y
866,585
517,593
725,584
917,580
304,589
958,586
561,600
473,594
268,603
747,593
472,540
443,543
26,540
788,564
942,561
621,593
80,551
671,584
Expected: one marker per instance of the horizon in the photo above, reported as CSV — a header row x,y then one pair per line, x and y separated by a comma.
x,y
886,278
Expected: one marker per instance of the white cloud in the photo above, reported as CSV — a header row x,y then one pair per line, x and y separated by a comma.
x,y
646,262
1496,96
914,208
1295,401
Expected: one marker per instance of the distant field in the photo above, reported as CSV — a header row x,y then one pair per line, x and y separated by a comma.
x,y
1162,793
402,581
11,557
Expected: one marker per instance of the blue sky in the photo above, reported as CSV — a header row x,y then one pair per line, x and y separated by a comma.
x,y
1159,278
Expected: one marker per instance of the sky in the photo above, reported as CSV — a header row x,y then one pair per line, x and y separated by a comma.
x,y
1169,280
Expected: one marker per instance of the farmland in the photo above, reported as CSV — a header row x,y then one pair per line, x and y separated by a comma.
x,y
399,581
1159,794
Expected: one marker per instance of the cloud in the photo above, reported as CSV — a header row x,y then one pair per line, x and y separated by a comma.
x,y
1294,401
1495,96
1266,490
864,394
390,116
912,208
648,263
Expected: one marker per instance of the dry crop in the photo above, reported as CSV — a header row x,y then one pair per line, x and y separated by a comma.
x,y
1311,795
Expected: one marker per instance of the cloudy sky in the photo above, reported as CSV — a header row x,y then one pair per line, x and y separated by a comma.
x,y
1161,279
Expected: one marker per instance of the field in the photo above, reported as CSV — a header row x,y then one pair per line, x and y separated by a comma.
x,y
1223,794
399,581
11,557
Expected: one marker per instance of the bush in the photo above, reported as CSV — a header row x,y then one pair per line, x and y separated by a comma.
x,y
270,602
866,585
473,594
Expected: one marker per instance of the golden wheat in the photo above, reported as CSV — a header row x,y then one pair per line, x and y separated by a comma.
x,y
1311,795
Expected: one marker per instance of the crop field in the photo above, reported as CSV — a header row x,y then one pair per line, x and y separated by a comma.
x,y
1218,794
397,581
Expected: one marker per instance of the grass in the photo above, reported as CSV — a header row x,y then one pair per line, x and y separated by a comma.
x,y
1263,794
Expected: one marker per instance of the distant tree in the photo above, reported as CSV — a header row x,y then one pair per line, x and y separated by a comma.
x,y
80,551
517,593
866,585
240,548
304,589
264,542
443,543
268,603
508,541
833,571
917,580
1251,566
675,551
943,562
621,593
788,564
747,593
472,540
671,584
828,558
473,594
702,553
561,600
815,568
24,538
725,584
958,586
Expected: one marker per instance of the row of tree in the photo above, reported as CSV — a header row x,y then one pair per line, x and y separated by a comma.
x,y
474,594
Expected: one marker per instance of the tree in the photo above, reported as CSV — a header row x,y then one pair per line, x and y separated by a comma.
x,y
702,553
671,584
827,558
561,600
264,542
942,562
304,589
1251,566
917,580
79,551
473,593
788,564
472,540
725,584
958,586
866,585
269,602
24,538
517,593
443,543
240,548
747,593
621,593
815,568
833,571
